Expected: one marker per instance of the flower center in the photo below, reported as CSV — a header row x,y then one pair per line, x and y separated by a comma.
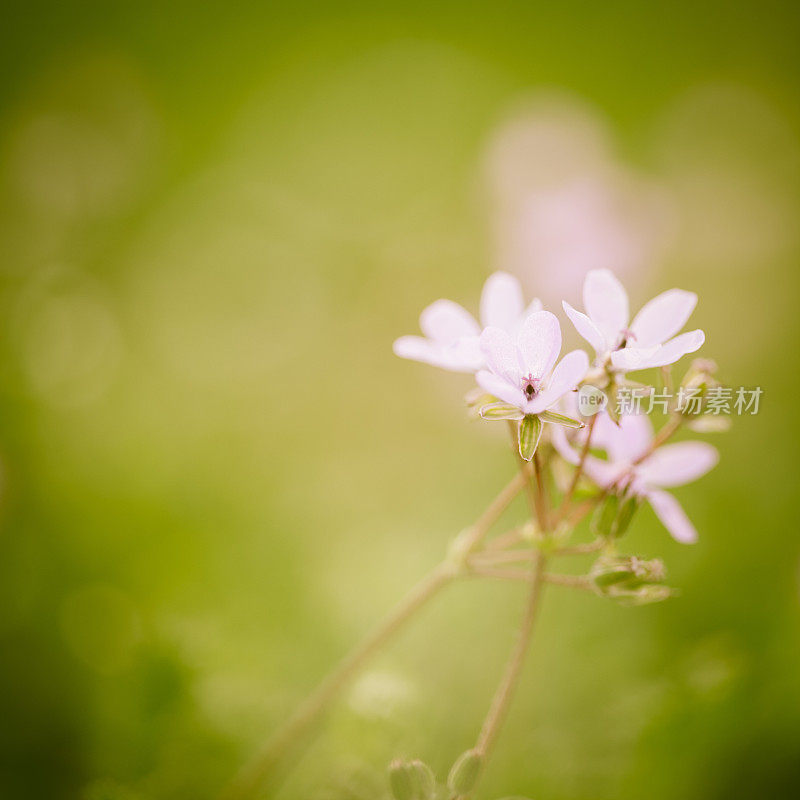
x,y
530,386
625,335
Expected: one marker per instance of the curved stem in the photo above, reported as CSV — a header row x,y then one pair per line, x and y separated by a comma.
x,y
262,770
505,691
566,503
258,773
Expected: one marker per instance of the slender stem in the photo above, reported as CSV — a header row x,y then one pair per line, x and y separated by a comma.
x,y
573,581
505,691
502,573
541,495
566,503
501,557
581,510
479,530
508,539
258,773
262,770
665,433
579,549
524,575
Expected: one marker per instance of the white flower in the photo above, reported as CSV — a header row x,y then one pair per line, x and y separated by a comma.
x,y
648,340
635,467
521,369
452,333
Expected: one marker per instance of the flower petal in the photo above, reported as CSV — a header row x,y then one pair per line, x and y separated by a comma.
x,y
586,328
458,357
500,353
501,302
566,376
676,464
631,358
668,353
500,388
534,306
539,344
673,517
662,317
445,322
625,442
606,302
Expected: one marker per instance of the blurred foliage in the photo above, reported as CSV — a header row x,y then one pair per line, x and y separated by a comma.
x,y
214,220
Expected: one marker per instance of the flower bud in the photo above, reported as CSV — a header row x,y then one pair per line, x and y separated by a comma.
x,y
614,514
411,780
425,780
464,773
629,579
401,781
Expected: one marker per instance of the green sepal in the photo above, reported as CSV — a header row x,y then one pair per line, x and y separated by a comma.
x,y
500,411
401,781
560,419
464,773
626,511
530,431
604,516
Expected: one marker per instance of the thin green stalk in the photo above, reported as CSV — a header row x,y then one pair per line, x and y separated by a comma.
x,y
262,770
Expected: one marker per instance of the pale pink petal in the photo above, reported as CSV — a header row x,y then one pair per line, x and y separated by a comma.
x,y
673,517
663,317
631,358
445,322
500,352
586,328
414,347
668,353
458,357
625,442
569,372
539,344
603,473
534,306
560,440
501,389
606,302
501,302
676,464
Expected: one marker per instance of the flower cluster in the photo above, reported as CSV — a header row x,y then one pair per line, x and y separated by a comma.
x,y
580,457
514,357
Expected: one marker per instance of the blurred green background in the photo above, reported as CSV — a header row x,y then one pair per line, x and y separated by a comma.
x,y
214,220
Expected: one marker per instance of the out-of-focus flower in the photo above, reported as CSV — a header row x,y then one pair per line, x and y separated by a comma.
x,y
563,204
452,333
521,371
634,467
648,341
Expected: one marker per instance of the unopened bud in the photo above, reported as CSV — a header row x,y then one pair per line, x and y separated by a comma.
x,y
464,773
425,780
629,579
701,375
401,781
628,572
411,780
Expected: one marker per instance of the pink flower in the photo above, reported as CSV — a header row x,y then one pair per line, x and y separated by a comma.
x,y
452,333
521,369
633,466
648,340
